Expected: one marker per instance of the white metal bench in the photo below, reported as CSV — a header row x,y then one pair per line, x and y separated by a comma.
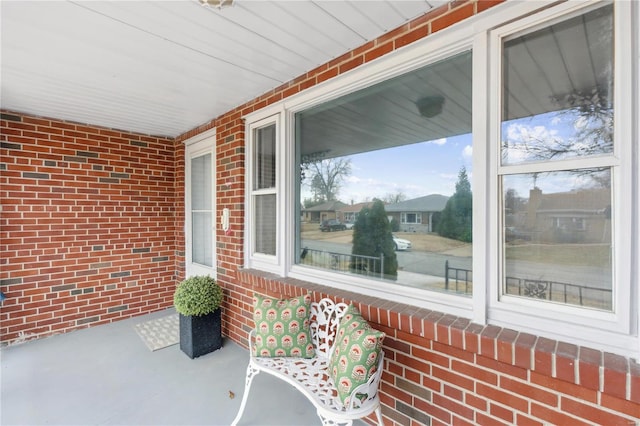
x,y
311,376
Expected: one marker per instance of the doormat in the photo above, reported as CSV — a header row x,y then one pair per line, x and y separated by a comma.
x,y
160,332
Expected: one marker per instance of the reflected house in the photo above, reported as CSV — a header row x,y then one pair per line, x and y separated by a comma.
x,y
418,214
350,212
580,216
324,211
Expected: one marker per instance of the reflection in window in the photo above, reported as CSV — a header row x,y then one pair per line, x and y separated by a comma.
x,y
389,168
558,91
558,105
558,236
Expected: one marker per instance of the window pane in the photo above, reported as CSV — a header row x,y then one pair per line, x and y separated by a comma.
x,y
407,143
201,182
202,236
265,224
557,237
558,90
410,218
265,157
201,210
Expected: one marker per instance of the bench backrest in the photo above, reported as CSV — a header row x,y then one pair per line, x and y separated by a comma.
x,y
325,318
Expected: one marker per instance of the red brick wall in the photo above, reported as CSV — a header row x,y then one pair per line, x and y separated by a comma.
x,y
88,229
440,370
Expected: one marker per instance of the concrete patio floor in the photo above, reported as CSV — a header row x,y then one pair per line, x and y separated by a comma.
x,y
106,375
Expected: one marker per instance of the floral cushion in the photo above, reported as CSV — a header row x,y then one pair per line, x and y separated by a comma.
x,y
282,327
355,357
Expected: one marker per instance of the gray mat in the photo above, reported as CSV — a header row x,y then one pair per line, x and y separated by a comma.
x,y
159,333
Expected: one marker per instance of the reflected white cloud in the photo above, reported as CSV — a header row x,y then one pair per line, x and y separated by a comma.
x,y
467,152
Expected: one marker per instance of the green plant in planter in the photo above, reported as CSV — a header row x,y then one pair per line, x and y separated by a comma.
x,y
197,299
197,295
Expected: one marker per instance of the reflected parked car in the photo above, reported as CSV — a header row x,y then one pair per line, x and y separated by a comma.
x,y
511,233
332,225
401,244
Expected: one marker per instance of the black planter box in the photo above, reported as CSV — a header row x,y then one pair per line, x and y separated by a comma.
x,y
200,335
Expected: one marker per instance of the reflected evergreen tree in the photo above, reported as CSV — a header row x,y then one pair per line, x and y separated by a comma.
x,y
456,218
372,237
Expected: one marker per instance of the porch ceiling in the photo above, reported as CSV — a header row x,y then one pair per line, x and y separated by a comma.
x,y
165,67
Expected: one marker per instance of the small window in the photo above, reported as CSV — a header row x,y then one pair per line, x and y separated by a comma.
x,y
264,193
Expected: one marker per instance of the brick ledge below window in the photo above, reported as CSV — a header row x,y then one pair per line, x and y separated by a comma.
x,y
496,348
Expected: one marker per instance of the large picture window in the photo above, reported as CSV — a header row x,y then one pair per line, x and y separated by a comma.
x,y
374,163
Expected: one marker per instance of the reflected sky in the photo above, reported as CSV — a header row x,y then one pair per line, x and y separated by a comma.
x,y
415,170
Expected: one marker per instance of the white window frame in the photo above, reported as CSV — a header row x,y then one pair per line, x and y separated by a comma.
x,y
615,332
590,327
201,144
440,47
403,218
262,261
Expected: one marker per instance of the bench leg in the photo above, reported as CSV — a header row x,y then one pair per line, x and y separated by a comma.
x,y
251,373
379,415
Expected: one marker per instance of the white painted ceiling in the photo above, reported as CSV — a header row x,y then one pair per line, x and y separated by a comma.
x,y
165,67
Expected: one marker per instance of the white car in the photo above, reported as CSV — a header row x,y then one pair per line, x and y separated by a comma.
x,y
401,244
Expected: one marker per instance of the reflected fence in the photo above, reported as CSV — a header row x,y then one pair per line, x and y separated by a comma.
x,y
457,279
460,280
573,294
346,263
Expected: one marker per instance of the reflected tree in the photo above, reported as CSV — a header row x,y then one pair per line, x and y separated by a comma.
x,y
512,201
372,237
455,219
587,116
581,126
325,177
393,198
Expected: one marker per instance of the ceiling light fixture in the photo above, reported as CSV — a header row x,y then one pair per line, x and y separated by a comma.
x,y
217,4
430,106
